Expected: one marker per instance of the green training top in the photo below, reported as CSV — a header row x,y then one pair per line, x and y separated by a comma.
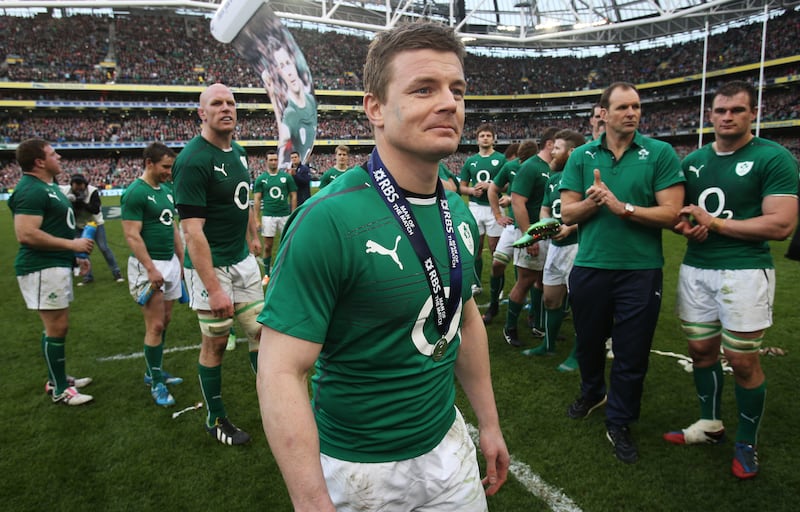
x,y
646,167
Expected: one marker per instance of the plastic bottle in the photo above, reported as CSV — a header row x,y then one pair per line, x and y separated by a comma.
x,y
184,294
89,231
145,295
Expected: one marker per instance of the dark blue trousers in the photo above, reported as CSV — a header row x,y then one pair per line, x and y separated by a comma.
x,y
623,305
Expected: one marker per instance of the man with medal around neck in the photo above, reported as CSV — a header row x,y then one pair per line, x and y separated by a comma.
x,y
382,411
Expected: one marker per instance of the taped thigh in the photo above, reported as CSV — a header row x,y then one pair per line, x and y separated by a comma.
x,y
214,327
738,344
698,331
248,319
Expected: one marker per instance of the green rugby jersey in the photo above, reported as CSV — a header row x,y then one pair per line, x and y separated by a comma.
x,y
377,394
33,196
275,190
552,198
732,186
217,180
530,182
154,208
478,169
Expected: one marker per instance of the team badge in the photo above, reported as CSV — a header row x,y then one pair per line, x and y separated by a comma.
x,y
283,180
466,237
643,154
742,168
495,162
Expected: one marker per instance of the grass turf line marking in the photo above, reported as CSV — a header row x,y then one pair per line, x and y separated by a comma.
x,y
553,497
139,355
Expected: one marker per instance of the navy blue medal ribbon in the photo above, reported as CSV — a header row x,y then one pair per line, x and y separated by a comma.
x,y
391,193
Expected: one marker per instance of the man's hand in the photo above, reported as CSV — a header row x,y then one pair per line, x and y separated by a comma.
x,y
220,304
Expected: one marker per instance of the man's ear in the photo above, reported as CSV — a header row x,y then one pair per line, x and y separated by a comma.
x,y
373,109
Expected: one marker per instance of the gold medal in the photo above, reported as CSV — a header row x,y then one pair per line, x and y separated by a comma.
x,y
439,349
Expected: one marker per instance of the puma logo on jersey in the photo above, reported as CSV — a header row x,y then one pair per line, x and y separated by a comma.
x,y
53,195
221,169
151,198
590,153
375,247
696,170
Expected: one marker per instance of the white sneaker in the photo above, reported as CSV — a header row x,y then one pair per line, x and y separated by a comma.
x,y
72,396
699,432
476,290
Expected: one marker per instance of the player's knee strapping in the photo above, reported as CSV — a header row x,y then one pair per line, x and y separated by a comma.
x,y
214,327
248,319
501,257
697,331
738,344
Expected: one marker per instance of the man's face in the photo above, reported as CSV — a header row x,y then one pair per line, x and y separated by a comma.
x,y
560,154
218,109
287,69
52,161
342,159
272,163
732,116
623,113
595,117
295,159
78,188
422,115
485,140
161,170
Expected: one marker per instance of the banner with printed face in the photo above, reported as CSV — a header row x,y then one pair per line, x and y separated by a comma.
x,y
260,38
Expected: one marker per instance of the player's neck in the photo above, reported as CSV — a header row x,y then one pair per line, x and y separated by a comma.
x,y
222,140
486,151
412,174
272,172
150,180
342,168
723,145
41,174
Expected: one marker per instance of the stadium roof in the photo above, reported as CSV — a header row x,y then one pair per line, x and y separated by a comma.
x,y
540,24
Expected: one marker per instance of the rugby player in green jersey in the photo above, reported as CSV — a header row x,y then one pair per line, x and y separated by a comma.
x,y
388,322
741,191
44,224
212,196
148,221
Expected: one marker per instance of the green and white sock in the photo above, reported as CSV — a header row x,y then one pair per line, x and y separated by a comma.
x,y
751,411
153,357
211,387
54,356
708,382
514,308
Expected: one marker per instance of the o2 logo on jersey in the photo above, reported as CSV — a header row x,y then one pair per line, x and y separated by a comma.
x,y
556,209
241,196
275,193
483,175
424,347
713,195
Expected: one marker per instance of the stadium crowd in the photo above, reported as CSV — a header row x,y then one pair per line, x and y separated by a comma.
x,y
46,49
179,50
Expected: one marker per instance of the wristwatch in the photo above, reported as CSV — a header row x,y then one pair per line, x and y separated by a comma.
x,y
629,209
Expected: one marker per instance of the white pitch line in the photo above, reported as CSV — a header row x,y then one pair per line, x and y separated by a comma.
x,y
551,496
138,355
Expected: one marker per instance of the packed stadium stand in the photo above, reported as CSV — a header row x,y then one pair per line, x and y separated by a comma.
x,y
101,88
